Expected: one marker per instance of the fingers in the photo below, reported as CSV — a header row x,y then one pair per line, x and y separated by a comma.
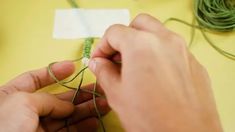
x,y
34,80
52,125
116,39
122,40
107,73
48,105
148,23
119,37
87,125
87,109
82,112
83,96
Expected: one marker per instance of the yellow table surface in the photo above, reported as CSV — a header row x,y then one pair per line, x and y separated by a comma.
x,y
26,43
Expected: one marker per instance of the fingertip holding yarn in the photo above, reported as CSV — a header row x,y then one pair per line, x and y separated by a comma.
x,y
85,61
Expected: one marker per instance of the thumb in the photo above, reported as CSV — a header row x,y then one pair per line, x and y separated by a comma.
x,y
106,72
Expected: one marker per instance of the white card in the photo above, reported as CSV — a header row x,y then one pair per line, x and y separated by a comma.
x,y
83,23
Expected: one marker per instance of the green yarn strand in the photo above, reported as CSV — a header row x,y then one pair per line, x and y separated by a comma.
x,y
73,3
87,47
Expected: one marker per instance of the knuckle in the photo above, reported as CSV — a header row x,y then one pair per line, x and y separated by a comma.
x,y
115,32
142,16
144,21
34,78
113,28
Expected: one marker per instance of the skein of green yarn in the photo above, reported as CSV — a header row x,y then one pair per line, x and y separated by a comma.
x,y
217,15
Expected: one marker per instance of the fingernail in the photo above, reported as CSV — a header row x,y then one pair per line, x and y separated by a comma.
x,y
92,65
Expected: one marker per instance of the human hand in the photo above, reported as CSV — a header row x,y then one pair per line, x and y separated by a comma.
x,y
159,85
24,109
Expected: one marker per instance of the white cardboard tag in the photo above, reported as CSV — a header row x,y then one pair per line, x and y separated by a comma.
x,y
82,23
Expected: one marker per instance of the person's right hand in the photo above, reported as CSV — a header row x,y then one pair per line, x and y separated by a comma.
x,y
159,86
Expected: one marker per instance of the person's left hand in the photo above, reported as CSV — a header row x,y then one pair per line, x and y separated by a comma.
x,y
24,109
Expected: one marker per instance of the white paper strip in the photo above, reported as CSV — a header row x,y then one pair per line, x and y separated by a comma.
x,y
82,23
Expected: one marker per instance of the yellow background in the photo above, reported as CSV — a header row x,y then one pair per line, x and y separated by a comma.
x,y
26,43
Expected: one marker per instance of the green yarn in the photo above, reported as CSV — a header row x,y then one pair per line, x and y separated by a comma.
x,y
73,3
86,56
87,47
218,15
88,41
96,108
213,16
203,31
63,83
